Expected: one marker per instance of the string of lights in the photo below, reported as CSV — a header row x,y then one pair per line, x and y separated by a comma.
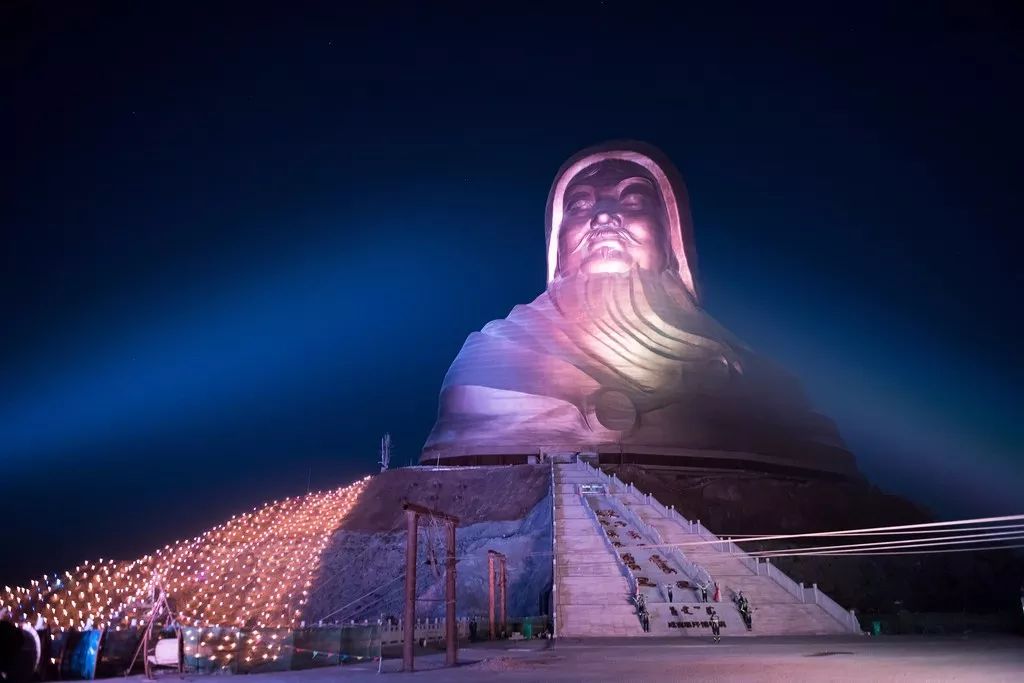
x,y
254,572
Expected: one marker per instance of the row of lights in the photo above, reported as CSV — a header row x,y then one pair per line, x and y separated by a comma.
x,y
253,572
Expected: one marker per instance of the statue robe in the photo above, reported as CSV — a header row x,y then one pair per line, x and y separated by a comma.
x,y
626,364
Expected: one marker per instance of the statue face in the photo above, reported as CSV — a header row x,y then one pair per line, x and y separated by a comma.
x,y
612,222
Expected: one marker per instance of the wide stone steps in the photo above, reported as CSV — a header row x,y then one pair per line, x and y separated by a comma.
x,y
662,617
593,594
732,574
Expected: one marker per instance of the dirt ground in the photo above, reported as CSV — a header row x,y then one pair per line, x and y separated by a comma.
x,y
473,494
506,509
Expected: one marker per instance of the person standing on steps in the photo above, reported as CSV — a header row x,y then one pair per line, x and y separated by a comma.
x,y
641,611
716,626
717,597
668,589
744,606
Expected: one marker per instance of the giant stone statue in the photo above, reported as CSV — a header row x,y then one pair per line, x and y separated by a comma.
x,y
617,356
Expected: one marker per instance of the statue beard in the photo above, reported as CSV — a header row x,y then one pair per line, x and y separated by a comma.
x,y
643,326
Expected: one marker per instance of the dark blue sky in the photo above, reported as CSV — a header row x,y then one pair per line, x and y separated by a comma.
x,y
241,242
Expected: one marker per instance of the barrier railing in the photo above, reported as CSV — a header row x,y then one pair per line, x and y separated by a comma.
x,y
554,558
834,609
626,571
783,581
690,569
634,519
845,617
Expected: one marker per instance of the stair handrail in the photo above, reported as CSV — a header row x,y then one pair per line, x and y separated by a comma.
x,y
783,581
634,519
630,577
554,557
690,569
846,617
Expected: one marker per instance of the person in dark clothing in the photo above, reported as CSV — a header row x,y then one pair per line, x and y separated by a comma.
x,y
669,587
744,606
641,611
716,626
12,641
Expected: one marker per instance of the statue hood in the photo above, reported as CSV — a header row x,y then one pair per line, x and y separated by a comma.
x,y
670,185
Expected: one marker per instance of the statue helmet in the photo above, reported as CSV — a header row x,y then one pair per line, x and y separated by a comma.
x,y
670,186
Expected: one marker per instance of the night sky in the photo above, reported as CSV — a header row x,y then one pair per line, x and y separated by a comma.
x,y
242,242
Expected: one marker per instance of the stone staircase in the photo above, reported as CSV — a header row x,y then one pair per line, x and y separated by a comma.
x,y
589,570
775,611
592,592
685,614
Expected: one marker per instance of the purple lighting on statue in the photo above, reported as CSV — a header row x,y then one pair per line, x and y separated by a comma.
x,y
617,354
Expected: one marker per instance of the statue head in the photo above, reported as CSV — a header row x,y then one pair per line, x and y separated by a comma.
x,y
618,207
613,219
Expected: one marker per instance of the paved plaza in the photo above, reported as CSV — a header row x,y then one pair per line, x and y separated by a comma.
x,y
895,658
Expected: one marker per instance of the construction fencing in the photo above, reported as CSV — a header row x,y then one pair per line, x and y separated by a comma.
x,y
84,655
230,650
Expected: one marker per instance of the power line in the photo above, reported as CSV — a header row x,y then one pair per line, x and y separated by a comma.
x,y
896,545
738,538
913,552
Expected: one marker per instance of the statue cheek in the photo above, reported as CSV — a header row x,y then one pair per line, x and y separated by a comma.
x,y
569,235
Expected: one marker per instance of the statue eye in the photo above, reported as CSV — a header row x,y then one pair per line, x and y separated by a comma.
x,y
580,204
633,200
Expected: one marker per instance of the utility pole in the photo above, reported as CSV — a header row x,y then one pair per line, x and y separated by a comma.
x,y
385,452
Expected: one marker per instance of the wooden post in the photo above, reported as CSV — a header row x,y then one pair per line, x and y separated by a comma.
x,y
451,631
409,623
412,513
490,592
504,604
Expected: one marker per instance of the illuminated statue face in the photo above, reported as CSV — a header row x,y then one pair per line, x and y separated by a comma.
x,y
612,222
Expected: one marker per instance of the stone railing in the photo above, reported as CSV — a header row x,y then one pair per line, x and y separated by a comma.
x,y
626,571
692,570
781,579
433,630
634,519
800,592
847,618
554,557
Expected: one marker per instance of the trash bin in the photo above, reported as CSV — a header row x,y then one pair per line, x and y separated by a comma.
x,y
527,630
876,628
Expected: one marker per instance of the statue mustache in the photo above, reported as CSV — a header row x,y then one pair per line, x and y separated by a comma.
x,y
603,232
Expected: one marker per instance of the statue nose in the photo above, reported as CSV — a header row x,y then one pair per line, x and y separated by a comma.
x,y
602,218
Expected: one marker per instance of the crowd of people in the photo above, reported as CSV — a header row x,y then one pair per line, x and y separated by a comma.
x,y
701,587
